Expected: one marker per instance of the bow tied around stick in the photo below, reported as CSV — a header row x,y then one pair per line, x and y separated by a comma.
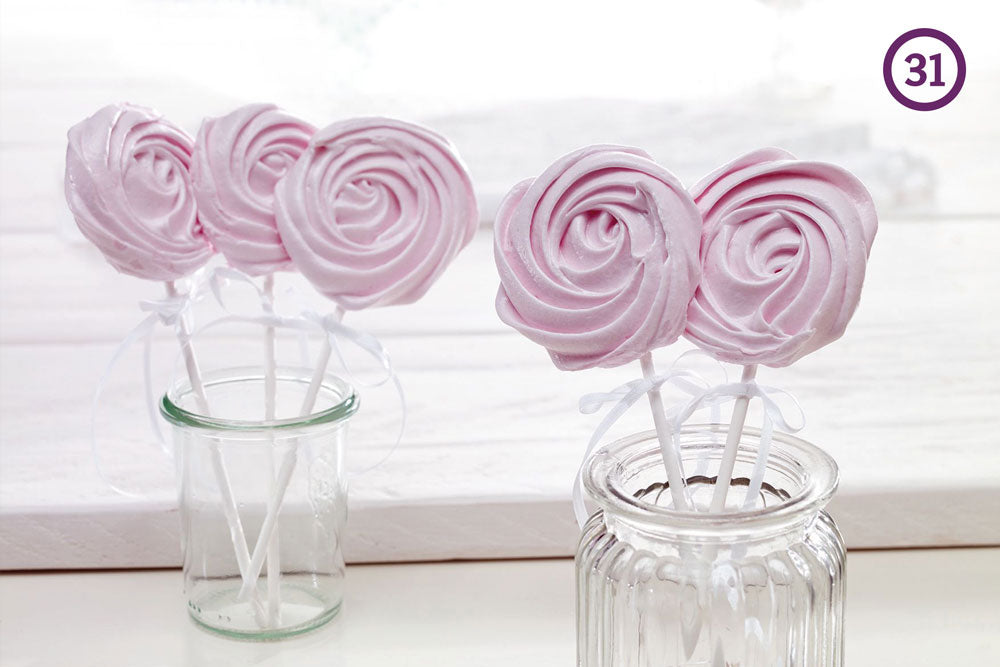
x,y
170,312
330,324
682,376
702,394
335,334
334,331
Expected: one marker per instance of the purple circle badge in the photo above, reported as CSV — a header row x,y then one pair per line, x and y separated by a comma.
x,y
927,74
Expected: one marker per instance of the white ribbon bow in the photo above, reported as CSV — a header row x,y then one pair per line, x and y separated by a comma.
x,y
171,311
305,320
703,395
773,414
686,380
308,320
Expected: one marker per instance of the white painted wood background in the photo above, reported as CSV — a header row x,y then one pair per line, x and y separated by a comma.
x,y
907,401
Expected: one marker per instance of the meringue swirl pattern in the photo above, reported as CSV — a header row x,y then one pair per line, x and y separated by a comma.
x,y
238,160
784,250
374,211
128,184
598,257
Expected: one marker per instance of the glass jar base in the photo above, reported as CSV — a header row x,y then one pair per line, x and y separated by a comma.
x,y
303,609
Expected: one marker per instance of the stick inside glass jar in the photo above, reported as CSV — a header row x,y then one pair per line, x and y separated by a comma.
x,y
230,510
735,434
664,433
270,390
268,531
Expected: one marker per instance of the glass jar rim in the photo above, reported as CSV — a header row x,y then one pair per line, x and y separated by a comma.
x,y
340,411
601,480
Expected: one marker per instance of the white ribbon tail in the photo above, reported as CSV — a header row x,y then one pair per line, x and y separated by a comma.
x,y
773,415
143,330
626,396
702,396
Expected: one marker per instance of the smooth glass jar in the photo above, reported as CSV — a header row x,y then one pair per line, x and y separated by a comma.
x,y
757,587
233,464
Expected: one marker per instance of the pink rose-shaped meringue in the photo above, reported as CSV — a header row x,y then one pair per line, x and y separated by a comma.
x,y
784,250
128,185
238,160
598,257
374,210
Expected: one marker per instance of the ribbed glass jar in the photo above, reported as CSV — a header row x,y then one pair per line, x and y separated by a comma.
x,y
237,473
757,587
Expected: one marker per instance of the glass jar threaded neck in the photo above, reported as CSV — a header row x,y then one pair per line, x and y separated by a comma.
x,y
626,480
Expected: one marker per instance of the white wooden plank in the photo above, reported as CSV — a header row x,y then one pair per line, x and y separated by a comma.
x,y
490,451
905,402
856,402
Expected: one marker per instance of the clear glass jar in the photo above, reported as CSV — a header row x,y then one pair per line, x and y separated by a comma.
x,y
760,587
232,465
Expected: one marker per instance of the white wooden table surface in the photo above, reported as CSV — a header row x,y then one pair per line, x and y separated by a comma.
x,y
486,614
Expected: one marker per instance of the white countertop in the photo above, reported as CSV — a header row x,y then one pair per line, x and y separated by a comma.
x,y
921,607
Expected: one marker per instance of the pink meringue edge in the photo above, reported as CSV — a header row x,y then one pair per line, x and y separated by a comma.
x,y
790,350
137,267
328,134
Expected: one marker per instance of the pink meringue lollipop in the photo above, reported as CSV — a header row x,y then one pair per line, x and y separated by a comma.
x,y
238,160
129,188
375,210
371,214
598,259
784,250
128,185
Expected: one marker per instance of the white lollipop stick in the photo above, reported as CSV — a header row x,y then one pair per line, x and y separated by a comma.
x,y
286,469
270,371
317,379
732,444
229,508
270,389
267,529
675,476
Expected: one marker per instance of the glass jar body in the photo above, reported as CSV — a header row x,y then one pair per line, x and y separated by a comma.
x,y
761,587
276,488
